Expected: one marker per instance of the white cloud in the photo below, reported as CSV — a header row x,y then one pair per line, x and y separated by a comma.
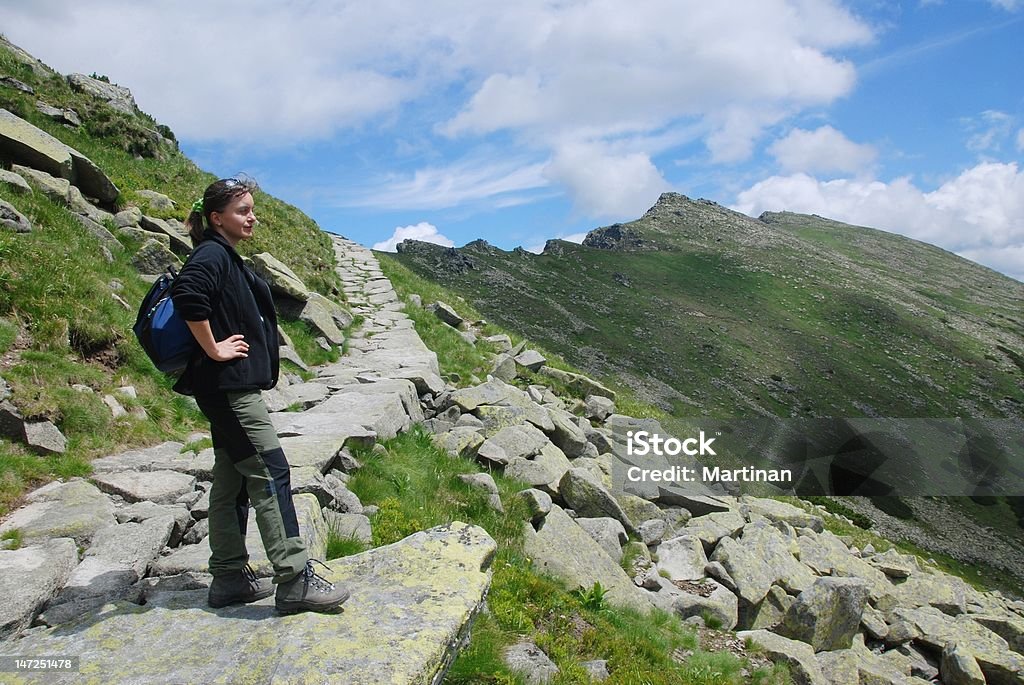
x,y
979,214
267,70
424,231
606,185
1008,5
822,150
989,130
448,186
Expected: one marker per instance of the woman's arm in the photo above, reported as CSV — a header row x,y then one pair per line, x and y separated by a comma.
x,y
233,347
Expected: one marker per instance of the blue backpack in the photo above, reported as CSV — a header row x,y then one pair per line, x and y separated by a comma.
x,y
161,331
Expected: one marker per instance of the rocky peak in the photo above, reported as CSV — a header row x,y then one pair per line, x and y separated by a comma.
x,y
440,258
617,237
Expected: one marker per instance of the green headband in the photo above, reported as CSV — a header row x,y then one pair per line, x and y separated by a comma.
x,y
197,206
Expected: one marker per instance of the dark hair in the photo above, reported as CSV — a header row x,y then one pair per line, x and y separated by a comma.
x,y
217,197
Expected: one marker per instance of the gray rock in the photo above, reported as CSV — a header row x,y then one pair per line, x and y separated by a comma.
x,y
460,442
769,613
153,258
43,437
349,526
95,578
827,615
894,564
12,219
417,597
504,368
585,494
161,487
682,558
12,82
563,549
538,503
959,667
519,441
606,532
25,144
597,669
131,216
651,531
484,482
118,97
105,237
173,232
566,434
14,182
319,313
133,545
799,656
446,314
598,407
502,343
76,509
747,568
578,382
531,359
529,472
720,604
781,512
198,532
156,200
281,279
29,577
532,665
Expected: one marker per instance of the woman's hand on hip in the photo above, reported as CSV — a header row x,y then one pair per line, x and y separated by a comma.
x,y
230,348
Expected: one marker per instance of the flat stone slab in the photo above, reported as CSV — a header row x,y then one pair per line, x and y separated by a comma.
x,y
160,487
76,509
163,457
384,414
29,577
411,603
318,451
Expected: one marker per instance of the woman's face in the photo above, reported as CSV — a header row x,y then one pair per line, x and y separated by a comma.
x,y
237,220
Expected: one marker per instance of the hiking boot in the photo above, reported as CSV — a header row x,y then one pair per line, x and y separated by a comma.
x,y
239,587
309,591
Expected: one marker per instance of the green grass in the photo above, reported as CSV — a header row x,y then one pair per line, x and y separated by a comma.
x,y
15,537
416,486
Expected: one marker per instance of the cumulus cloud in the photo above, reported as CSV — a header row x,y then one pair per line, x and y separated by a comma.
x,y
424,231
823,150
979,214
606,185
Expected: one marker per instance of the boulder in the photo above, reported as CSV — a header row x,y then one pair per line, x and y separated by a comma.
x,y
485,483
118,97
578,382
959,667
770,611
160,487
606,532
30,146
29,577
588,497
446,314
504,368
279,277
761,558
827,615
530,663
319,313
519,441
133,545
460,442
411,604
76,509
14,183
153,258
566,434
775,510
531,359
708,599
598,407
352,526
13,220
803,667
538,503
176,234
156,200
563,549
682,558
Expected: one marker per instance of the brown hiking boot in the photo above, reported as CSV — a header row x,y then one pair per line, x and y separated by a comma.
x,y
239,587
309,591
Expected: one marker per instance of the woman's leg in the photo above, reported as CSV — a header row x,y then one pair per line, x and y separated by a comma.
x,y
255,455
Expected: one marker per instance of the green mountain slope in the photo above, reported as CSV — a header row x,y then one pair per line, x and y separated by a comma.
x,y
705,311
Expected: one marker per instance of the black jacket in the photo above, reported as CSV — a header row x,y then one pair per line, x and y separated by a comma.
x,y
215,284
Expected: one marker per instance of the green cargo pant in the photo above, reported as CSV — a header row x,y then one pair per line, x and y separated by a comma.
x,y
249,465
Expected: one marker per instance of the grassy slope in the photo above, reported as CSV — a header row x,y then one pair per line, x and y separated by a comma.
x,y
60,324
731,316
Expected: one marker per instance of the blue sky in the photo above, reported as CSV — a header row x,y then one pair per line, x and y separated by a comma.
x,y
521,122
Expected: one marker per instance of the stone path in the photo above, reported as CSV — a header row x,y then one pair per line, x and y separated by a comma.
x,y
142,524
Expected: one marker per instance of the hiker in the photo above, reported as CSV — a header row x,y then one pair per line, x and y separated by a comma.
x,y
230,312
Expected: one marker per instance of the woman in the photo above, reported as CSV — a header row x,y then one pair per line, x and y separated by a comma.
x,y
231,314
